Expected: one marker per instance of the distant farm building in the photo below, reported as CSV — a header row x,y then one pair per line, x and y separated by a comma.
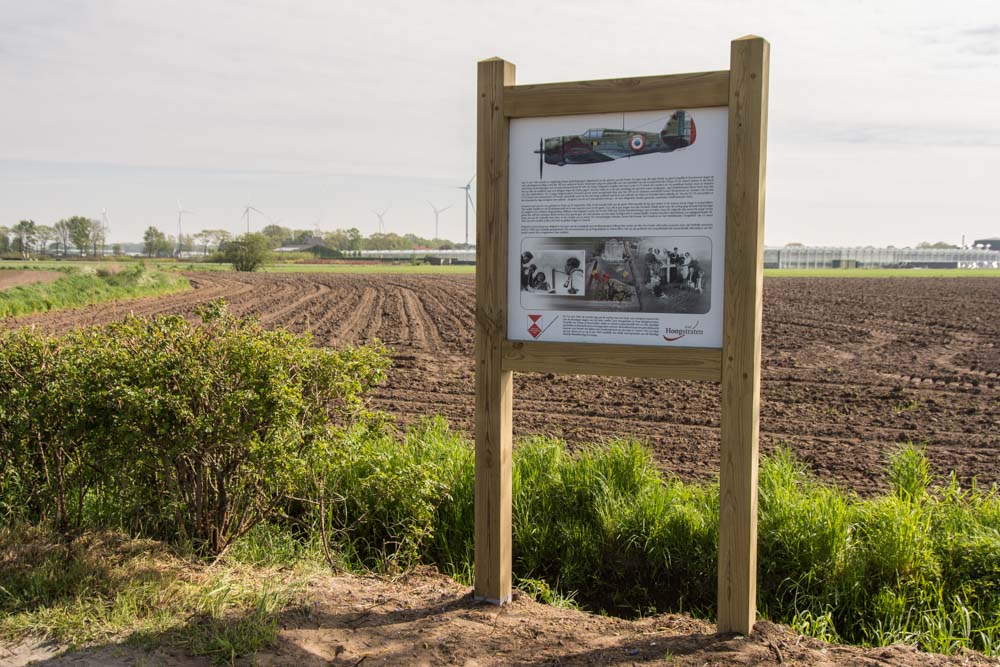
x,y
805,257
307,244
314,246
464,256
989,244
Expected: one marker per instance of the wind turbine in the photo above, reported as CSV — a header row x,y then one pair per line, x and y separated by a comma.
x,y
468,200
381,222
104,228
180,214
246,214
437,212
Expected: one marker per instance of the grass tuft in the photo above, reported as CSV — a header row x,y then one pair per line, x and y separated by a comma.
x,y
104,586
88,285
601,529
910,473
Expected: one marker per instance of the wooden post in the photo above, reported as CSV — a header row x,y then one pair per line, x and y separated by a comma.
x,y
494,386
744,280
737,365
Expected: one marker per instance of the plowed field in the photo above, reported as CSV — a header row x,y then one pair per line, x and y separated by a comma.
x,y
850,366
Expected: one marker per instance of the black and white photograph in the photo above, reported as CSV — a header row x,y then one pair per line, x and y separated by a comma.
x,y
656,274
552,272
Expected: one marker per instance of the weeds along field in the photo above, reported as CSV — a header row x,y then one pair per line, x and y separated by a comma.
x,y
236,443
79,284
852,367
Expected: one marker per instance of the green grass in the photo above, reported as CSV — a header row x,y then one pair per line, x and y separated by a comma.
x,y
174,265
85,285
67,265
603,529
104,586
882,273
458,269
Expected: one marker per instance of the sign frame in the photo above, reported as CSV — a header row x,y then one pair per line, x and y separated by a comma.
x,y
736,366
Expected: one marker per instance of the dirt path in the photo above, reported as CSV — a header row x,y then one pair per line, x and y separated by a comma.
x,y
428,619
851,367
11,278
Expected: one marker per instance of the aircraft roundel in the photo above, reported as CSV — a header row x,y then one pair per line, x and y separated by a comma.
x,y
637,142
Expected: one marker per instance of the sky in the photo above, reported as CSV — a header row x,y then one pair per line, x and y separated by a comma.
x,y
883,123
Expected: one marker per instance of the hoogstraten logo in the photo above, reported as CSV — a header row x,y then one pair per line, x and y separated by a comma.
x,y
673,334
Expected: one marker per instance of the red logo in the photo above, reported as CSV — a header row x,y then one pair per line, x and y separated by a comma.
x,y
533,327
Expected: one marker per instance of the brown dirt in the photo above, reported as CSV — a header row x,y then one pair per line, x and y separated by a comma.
x,y
12,278
428,619
851,367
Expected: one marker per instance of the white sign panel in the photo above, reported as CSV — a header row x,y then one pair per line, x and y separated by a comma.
x,y
617,228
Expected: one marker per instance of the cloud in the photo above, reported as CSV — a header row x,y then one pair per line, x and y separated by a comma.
x,y
288,100
940,134
986,31
983,41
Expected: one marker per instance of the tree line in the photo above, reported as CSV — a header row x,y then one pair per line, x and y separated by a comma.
x,y
157,244
348,240
208,241
86,236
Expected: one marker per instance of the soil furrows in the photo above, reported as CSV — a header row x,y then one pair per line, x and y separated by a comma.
x,y
322,316
342,307
371,328
355,315
424,332
395,329
851,368
291,312
270,300
453,319
326,314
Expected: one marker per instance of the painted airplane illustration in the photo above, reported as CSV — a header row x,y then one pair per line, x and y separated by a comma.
x,y
605,145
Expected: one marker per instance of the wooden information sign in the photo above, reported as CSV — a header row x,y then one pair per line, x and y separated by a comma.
x,y
624,246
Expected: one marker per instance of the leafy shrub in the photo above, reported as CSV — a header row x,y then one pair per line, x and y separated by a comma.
x,y
248,252
175,430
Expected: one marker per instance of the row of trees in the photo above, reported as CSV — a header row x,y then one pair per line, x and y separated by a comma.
x,y
246,253
157,244
27,237
87,237
348,240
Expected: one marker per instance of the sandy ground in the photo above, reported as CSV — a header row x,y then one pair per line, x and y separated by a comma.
x,y
428,619
11,278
